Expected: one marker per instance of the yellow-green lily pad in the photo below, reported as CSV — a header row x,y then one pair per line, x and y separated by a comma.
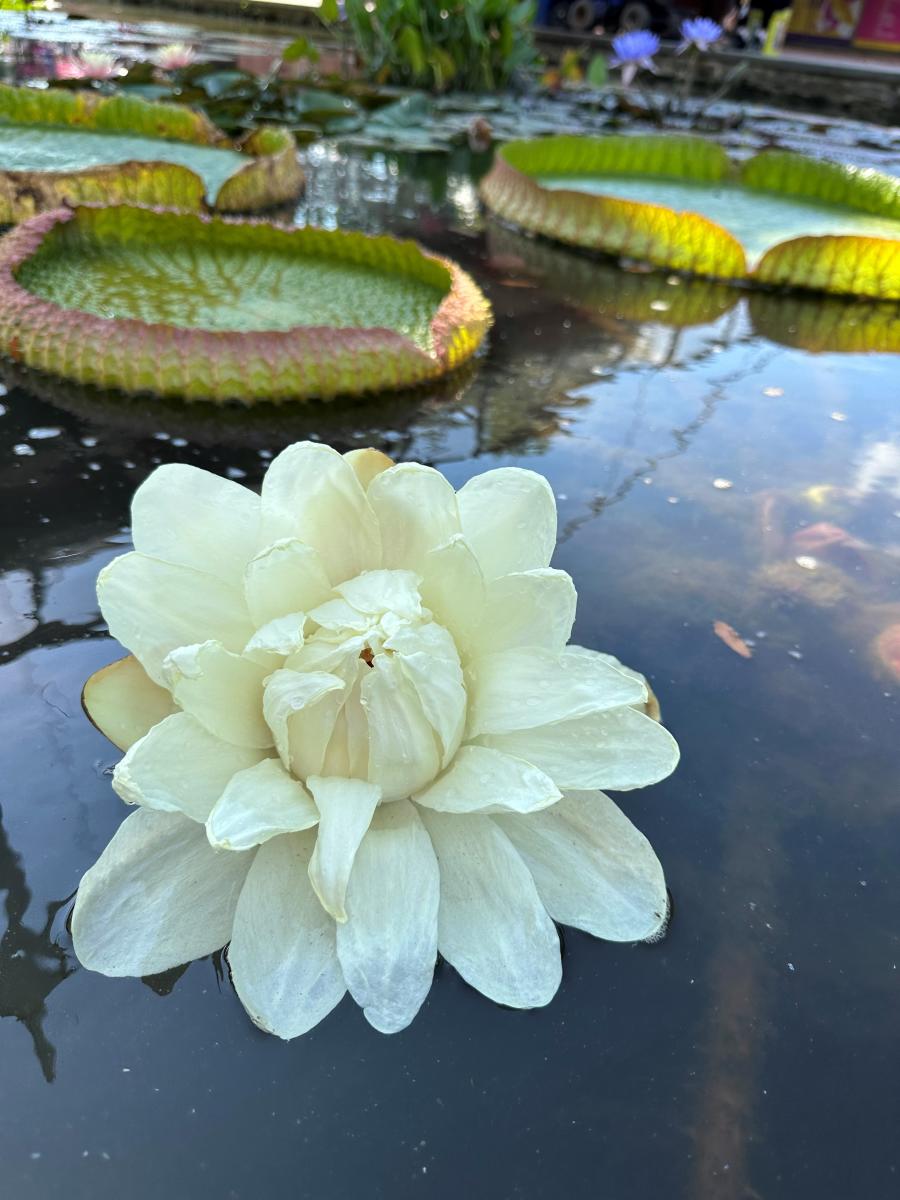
x,y
680,203
67,147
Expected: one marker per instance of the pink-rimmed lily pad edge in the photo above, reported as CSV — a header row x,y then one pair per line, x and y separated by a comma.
x,y
304,362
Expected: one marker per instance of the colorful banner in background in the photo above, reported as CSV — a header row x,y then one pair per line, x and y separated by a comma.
x,y
879,25
832,19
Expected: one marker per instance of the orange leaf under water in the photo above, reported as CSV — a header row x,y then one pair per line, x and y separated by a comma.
x,y
732,639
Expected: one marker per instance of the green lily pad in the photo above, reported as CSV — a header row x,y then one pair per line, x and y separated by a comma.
x,y
183,305
678,202
62,147
25,148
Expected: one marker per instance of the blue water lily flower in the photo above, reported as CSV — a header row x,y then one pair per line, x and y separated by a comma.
x,y
700,32
633,51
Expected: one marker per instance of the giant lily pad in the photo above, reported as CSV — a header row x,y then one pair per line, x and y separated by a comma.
x,y
181,304
681,203
66,147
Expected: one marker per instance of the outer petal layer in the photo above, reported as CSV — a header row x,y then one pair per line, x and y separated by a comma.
x,y
195,519
124,702
483,780
619,750
282,953
416,509
528,608
514,691
492,926
592,867
178,767
311,493
508,517
157,897
152,607
388,946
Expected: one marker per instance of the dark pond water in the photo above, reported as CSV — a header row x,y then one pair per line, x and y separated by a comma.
x,y
713,460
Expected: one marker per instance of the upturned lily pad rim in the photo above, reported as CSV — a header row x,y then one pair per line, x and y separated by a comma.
x,y
302,363
844,264
271,176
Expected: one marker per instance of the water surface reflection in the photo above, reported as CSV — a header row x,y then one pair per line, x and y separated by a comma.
x,y
715,458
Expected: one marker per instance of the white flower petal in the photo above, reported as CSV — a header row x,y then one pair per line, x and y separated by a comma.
x,y
379,592
430,662
368,464
124,702
592,867
492,926
403,748
192,518
484,780
416,509
286,577
345,812
178,767
157,897
282,955
651,704
258,804
310,492
388,945
289,693
529,608
222,690
453,588
617,751
277,639
152,607
514,690
508,517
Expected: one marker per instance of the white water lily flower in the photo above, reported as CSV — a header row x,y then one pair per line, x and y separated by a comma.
x,y
357,738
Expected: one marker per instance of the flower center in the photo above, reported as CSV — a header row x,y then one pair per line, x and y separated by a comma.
x,y
376,691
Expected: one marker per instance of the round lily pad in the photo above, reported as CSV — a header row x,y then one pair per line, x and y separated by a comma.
x,y
210,308
70,147
679,202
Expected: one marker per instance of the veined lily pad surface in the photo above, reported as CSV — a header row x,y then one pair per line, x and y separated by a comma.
x,y
679,202
59,147
204,308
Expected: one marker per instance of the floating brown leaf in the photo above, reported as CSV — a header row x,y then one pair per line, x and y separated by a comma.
x,y
732,639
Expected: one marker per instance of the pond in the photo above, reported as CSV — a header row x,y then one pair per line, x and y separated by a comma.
x,y
715,460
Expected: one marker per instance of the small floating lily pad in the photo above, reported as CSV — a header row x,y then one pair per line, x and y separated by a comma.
x,y
680,203
70,147
179,304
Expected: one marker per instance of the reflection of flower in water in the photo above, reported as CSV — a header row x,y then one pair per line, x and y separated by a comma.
x,y
174,57
879,470
366,741
89,64
31,963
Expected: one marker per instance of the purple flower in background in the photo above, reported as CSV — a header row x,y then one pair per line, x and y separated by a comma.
x,y
700,32
633,51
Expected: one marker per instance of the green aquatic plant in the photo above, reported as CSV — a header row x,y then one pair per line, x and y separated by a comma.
x,y
73,147
476,45
681,203
207,308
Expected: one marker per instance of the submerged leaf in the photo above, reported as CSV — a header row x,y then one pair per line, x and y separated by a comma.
x,y
729,635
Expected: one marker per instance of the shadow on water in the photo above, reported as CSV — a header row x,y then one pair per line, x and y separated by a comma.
x,y
32,962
